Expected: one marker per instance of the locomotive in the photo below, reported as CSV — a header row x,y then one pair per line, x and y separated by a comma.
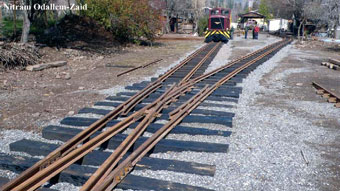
x,y
219,25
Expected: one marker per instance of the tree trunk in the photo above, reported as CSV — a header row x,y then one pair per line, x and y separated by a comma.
x,y
1,22
304,36
176,24
25,27
69,5
299,30
14,21
56,16
167,24
45,19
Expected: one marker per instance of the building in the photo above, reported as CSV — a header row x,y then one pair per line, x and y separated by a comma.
x,y
276,24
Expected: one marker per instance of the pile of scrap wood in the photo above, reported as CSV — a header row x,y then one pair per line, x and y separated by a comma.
x,y
16,55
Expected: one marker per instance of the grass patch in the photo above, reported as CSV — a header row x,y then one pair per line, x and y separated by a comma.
x,y
8,27
37,27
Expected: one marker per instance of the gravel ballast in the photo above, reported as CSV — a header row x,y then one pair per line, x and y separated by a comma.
x,y
269,147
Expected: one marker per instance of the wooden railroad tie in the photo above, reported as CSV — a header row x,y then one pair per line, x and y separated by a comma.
x,y
332,64
327,94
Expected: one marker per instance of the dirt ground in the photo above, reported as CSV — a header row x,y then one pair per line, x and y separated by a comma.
x,y
29,100
302,67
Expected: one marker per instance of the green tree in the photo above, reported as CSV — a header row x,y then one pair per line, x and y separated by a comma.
x,y
264,9
202,25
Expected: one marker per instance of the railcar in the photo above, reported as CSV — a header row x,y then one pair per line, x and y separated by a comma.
x,y
219,25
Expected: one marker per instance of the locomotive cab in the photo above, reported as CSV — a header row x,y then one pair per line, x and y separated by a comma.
x,y
219,25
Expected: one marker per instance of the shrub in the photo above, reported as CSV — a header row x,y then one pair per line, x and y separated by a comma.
x,y
128,20
202,25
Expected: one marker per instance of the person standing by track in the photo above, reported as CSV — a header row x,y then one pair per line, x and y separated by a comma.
x,y
256,32
246,32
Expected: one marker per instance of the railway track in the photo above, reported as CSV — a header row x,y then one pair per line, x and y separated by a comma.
x,y
173,98
325,92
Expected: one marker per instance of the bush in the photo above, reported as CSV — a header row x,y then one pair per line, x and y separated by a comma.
x,y
8,27
202,25
128,20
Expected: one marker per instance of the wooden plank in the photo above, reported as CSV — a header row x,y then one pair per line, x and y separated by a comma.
x,y
332,100
320,91
78,175
39,67
203,112
139,106
96,158
326,95
164,145
53,132
227,121
3,181
167,145
334,61
80,121
337,105
165,112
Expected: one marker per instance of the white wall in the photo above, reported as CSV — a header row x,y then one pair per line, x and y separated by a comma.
x,y
276,24
337,33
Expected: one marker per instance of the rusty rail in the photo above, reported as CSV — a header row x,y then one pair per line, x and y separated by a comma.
x,y
69,153
193,71
109,164
138,67
331,96
116,176
100,124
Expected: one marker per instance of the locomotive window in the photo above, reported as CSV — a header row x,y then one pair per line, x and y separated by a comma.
x,y
226,12
215,12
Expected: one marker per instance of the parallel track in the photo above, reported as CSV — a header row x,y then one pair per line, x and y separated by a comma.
x,y
169,90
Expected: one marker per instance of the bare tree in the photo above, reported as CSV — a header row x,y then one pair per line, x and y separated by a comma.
x,y
26,24
0,21
300,10
332,14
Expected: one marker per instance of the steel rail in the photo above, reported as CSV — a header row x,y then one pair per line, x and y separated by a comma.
x,y
194,70
129,106
114,158
122,149
138,67
105,169
233,62
114,130
85,134
126,166
36,180
170,96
